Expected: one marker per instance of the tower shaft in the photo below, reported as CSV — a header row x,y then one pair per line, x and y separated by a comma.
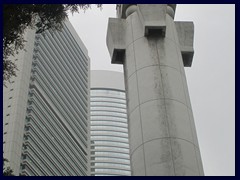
x,y
154,50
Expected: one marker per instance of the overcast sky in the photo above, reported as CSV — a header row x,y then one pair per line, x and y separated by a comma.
x,y
211,79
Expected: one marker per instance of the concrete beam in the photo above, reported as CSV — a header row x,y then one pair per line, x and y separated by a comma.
x,y
116,39
185,32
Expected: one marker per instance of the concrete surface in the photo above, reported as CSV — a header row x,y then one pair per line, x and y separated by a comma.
x,y
155,49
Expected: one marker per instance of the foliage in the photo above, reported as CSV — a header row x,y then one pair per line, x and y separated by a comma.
x,y
19,17
7,171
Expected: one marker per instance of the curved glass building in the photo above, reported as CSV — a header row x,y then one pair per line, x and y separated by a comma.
x,y
109,128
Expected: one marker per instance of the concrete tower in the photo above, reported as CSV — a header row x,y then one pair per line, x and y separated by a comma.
x,y
154,50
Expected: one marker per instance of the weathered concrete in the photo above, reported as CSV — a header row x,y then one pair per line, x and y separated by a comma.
x,y
154,50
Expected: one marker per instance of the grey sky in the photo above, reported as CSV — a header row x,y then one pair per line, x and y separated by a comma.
x,y
211,79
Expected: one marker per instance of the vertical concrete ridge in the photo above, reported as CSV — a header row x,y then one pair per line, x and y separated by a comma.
x,y
139,101
179,61
166,110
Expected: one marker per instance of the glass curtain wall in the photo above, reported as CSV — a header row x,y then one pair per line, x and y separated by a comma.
x,y
109,133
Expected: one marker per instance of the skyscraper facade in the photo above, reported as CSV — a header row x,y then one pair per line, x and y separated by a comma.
x,y
46,107
109,126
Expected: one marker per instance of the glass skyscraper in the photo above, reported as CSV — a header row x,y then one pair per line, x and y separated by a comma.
x,y
109,128
46,107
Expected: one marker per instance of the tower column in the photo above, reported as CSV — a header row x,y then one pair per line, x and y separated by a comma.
x,y
153,50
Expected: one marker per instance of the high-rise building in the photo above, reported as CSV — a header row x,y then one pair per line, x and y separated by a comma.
x,y
46,107
109,125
